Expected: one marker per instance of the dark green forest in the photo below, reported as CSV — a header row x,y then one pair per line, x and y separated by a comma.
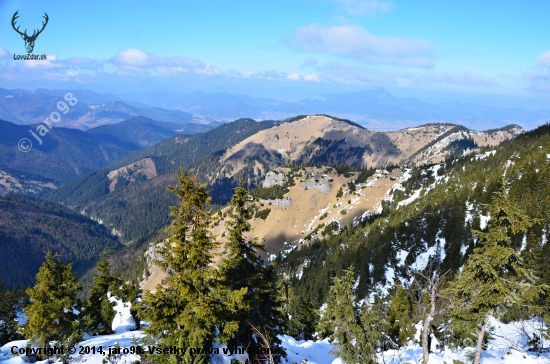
x,y
29,228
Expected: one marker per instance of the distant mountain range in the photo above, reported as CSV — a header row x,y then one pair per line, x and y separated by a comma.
x,y
143,132
376,109
90,110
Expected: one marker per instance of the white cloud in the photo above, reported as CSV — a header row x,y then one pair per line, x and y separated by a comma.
x,y
299,77
541,68
295,77
312,77
364,7
544,59
209,71
136,61
138,58
129,62
539,77
235,72
133,65
354,42
132,58
49,64
267,75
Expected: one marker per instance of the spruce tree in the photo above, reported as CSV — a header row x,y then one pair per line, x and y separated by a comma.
x,y
8,317
183,310
354,327
243,271
50,315
303,317
99,312
491,275
400,316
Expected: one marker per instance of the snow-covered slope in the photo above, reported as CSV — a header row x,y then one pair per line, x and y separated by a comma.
x,y
508,345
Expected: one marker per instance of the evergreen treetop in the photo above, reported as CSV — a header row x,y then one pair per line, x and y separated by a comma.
x,y
495,267
245,274
8,318
491,276
183,311
50,315
353,328
99,312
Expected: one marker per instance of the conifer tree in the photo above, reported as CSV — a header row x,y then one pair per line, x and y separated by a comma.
x,y
491,275
303,317
182,311
243,271
400,315
99,312
8,322
50,315
354,328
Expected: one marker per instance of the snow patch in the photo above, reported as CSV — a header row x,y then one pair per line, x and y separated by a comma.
x,y
485,155
123,320
414,196
484,220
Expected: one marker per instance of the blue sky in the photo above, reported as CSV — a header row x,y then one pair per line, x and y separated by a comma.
x,y
489,52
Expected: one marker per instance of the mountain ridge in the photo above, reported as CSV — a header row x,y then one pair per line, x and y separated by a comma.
x,y
67,153
147,173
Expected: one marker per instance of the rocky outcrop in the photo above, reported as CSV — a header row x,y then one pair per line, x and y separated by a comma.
x,y
274,178
145,167
280,202
319,182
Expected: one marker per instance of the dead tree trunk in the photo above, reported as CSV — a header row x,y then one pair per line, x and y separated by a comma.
x,y
479,346
429,318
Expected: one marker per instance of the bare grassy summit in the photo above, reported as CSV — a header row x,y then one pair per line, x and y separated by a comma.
x,y
318,139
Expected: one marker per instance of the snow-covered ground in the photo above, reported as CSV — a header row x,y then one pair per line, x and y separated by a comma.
x,y
508,346
124,337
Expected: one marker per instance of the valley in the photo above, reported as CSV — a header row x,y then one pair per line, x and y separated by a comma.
x,y
249,150
321,194
275,182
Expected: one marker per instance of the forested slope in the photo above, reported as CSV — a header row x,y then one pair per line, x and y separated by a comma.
x,y
29,228
439,222
140,208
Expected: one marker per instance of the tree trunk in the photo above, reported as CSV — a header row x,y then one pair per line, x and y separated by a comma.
x,y
426,327
480,336
425,335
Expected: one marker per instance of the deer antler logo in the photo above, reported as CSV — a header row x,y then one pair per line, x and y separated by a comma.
x,y
29,40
